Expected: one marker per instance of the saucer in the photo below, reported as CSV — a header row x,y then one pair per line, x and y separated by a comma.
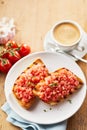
x,y
50,46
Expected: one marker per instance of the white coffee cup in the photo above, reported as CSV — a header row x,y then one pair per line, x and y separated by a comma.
x,y
66,34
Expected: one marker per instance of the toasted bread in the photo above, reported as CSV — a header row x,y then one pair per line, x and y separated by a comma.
x,y
57,86
26,81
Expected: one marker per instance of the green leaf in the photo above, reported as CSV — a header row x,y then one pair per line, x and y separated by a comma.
x,y
70,101
53,84
45,110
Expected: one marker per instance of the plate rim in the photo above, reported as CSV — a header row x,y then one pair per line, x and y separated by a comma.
x,y
41,52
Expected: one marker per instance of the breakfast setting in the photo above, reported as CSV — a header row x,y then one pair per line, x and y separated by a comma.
x,y
43,61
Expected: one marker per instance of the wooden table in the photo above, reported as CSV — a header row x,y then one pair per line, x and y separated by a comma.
x,y
33,18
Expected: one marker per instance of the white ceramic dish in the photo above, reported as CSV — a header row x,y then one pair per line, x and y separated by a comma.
x,y
43,113
83,43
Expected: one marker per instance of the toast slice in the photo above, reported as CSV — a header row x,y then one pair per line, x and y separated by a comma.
x,y
27,80
57,86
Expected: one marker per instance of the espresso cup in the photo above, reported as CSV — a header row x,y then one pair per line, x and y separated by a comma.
x,y
66,35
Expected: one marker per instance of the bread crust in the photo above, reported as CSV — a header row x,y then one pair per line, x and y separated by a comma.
x,y
24,104
36,91
28,104
79,79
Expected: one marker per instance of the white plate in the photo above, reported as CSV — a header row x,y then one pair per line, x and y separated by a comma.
x,y
43,113
83,43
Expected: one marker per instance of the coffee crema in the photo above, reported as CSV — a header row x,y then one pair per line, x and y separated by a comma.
x,y
66,33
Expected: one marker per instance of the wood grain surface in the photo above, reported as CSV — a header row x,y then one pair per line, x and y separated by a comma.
x,y
33,18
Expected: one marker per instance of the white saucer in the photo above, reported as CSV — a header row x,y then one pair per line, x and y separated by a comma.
x,y
83,42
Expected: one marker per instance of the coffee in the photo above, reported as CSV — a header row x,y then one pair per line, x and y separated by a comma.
x,y
66,33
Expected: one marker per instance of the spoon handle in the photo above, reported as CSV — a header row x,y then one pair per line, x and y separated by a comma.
x,y
73,55
56,49
81,59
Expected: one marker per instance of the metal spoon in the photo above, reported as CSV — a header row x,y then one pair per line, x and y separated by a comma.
x,y
68,54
